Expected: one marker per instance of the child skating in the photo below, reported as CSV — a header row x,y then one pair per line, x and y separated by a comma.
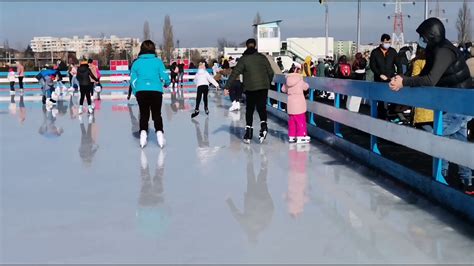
x,y
11,78
202,81
85,77
295,87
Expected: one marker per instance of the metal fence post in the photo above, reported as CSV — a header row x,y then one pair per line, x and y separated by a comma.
x,y
311,114
337,126
437,162
279,91
373,139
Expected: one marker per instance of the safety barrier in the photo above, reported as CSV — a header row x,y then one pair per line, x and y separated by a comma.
x,y
109,79
456,101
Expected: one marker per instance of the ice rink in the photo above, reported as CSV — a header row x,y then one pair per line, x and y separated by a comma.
x,y
84,192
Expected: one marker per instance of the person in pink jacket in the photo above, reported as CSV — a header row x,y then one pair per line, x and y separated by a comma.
x,y
295,87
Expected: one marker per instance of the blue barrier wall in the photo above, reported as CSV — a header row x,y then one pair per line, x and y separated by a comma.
x,y
458,101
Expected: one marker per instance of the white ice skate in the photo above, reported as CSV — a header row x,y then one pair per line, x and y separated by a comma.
x,y
90,109
303,140
143,139
235,106
161,139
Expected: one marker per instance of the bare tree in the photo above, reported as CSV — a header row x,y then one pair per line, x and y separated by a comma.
x,y
256,20
146,31
463,25
168,42
195,57
223,42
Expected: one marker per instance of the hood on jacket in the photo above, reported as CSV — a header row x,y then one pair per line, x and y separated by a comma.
x,y
250,51
433,31
308,60
293,79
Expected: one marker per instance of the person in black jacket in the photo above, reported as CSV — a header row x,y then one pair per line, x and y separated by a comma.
x,y
445,67
384,64
84,75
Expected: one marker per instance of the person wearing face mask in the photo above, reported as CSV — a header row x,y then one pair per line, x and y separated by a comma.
x,y
385,65
445,67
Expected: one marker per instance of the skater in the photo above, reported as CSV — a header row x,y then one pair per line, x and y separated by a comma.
x,y
180,72
174,75
11,78
84,76
20,71
147,78
235,92
46,79
257,75
95,70
202,81
295,87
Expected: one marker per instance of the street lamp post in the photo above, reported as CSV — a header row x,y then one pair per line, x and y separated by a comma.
x,y
426,9
327,28
359,5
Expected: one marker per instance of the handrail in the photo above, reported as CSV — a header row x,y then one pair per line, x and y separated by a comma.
x,y
451,100
289,48
102,72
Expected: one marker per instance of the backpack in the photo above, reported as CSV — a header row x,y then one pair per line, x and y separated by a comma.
x,y
345,70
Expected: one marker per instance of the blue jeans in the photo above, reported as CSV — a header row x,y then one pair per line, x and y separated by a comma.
x,y
455,127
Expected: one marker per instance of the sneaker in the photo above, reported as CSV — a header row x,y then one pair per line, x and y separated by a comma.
x,y
196,112
81,109
161,139
292,139
143,139
263,131
303,140
90,109
248,134
207,111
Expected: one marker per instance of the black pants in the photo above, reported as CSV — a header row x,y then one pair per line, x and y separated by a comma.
x,y
150,101
236,92
202,90
20,82
256,99
86,92
12,85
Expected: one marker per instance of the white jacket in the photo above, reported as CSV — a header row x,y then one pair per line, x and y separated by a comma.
x,y
11,76
202,77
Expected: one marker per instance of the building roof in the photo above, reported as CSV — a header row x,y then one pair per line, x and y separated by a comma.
x,y
268,22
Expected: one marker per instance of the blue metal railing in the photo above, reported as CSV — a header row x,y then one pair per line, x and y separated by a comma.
x,y
104,73
450,100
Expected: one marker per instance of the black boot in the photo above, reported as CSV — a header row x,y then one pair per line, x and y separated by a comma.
x,y
248,134
196,112
263,131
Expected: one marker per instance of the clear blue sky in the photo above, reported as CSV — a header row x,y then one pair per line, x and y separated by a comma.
x,y
200,24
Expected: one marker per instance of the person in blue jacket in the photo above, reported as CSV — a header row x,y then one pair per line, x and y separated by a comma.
x,y
148,76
